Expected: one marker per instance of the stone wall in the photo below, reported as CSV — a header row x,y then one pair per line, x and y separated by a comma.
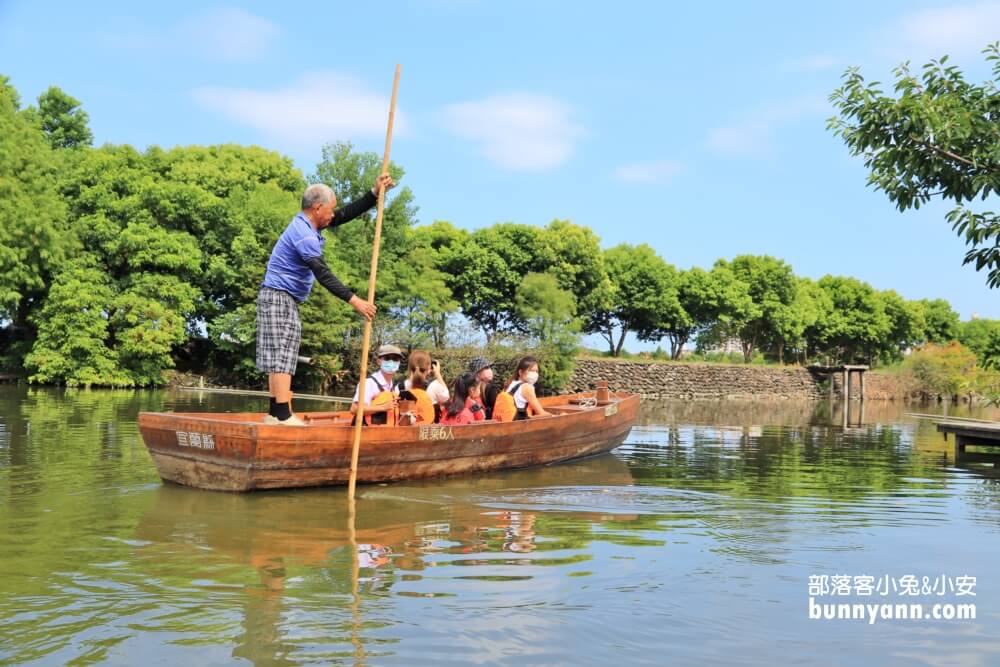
x,y
715,381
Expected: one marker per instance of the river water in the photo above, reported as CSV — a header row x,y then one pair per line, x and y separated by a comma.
x,y
700,540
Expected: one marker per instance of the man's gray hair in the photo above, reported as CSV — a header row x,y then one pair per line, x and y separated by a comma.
x,y
317,193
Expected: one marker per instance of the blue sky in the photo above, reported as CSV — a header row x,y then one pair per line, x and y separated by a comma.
x,y
699,128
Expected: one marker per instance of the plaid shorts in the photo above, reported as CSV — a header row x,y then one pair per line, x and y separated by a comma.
x,y
279,331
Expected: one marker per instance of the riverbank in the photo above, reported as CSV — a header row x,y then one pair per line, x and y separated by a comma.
x,y
676,380
694,381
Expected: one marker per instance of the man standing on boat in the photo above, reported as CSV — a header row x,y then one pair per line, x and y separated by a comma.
x,y
296,262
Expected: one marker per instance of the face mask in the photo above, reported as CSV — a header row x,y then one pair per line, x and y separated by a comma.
x,y
531,378
389,366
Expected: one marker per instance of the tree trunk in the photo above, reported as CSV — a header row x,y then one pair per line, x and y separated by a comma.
x,y
609,336
677,342
621,341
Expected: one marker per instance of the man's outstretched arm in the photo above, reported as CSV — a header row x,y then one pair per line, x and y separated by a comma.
x,y
361,204
326,278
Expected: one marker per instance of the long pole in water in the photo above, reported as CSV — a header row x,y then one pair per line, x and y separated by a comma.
x,y
366,340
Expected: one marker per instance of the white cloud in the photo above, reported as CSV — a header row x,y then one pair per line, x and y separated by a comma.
x,y
813,63
522,131
648,173
316,108
229,33
754,135
956,31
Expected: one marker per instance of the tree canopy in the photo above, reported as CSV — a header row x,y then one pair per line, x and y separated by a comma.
x,y
936,135
118,264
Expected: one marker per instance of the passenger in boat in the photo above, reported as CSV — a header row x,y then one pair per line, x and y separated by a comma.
x,y
464,406
424,373
295,263
381,392
522,389
482,368
425,392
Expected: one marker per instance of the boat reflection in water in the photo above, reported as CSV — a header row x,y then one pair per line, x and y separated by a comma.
x,y
298,547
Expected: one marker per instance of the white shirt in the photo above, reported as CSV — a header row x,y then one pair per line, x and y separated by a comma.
x,y
372,389
436,391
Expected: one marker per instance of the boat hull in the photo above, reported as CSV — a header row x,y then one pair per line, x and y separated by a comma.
x,y
238,452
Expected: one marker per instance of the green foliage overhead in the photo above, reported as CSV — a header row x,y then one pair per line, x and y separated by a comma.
x,y
935,135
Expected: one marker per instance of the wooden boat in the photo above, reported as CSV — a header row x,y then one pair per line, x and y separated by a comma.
x,y
239,452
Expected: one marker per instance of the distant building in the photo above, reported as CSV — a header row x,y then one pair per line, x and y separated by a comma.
x,y
729,346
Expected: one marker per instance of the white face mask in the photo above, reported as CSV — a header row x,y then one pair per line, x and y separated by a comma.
x,y
531,377
389,366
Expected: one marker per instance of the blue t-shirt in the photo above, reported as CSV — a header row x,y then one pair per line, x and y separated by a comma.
x,y
287,269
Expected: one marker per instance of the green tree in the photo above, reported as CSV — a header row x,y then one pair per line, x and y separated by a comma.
x,y
947,370
706,299
424,299
643,293
940,321
73,329
936,136
773,288
907,325
550,316
34,238
790,322
63,120
485,274
577,262
976,334
723,305
181,238
856,326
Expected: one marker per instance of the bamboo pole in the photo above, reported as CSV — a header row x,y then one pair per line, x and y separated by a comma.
x,y
366,340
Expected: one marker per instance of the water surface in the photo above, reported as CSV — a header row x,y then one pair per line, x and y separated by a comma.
x,y
692,543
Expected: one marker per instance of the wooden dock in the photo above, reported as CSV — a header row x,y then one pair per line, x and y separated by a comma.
x,y
846,370
967,432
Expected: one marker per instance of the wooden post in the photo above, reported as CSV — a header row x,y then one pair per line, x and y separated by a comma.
x,y
847,385
366,340
861,378
831,376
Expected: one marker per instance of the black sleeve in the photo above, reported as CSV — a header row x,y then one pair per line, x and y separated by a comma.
x,y
489,399
325,277
350,211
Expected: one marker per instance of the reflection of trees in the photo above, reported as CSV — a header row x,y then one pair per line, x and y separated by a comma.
x,y
762,464
800,452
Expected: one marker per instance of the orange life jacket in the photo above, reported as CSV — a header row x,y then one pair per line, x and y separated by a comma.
x,y
425,408
385,395
505,410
